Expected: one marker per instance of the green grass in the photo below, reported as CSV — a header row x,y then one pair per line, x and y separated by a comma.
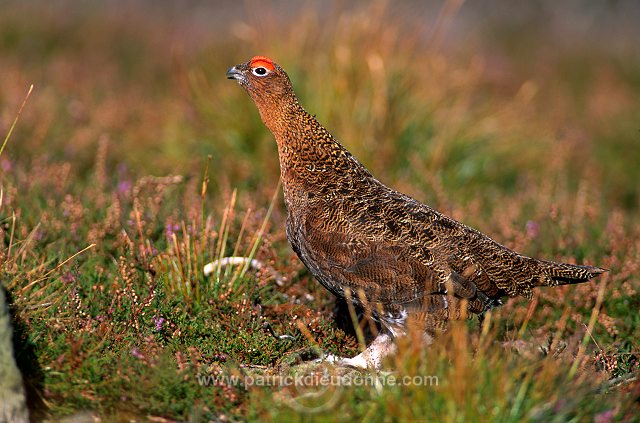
x,y
135,162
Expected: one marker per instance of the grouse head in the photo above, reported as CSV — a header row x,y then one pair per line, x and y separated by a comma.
x,y
265,81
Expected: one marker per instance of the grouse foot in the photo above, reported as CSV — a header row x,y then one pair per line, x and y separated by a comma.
x,y
371,358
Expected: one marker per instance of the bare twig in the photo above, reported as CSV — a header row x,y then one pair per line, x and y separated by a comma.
x,y
245,261
273,333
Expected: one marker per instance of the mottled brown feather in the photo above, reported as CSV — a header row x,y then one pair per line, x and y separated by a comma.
x,y
356,235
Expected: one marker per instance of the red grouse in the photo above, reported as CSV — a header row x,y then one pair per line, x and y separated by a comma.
x,y
398,258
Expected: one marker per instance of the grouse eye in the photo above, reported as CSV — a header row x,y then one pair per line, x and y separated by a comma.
x,y
259,71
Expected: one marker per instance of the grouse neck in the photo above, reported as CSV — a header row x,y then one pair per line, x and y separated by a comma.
x,y
303,141
307,151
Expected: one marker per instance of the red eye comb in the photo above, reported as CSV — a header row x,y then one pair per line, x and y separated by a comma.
x,y
262,61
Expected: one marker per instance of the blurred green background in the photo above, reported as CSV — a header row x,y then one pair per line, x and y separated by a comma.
x,y
492,87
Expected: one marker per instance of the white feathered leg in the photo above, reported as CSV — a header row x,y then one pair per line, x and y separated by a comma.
x,y
374,355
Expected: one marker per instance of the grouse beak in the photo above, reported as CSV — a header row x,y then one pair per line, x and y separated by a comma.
x,y
234,73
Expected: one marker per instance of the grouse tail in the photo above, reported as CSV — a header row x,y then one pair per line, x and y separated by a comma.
x,y
565,274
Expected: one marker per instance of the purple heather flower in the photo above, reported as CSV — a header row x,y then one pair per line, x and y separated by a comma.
x,y
151,250
159,322
605,416
136,353
39,235
68,277
123,187
172,228
5,164
533,228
